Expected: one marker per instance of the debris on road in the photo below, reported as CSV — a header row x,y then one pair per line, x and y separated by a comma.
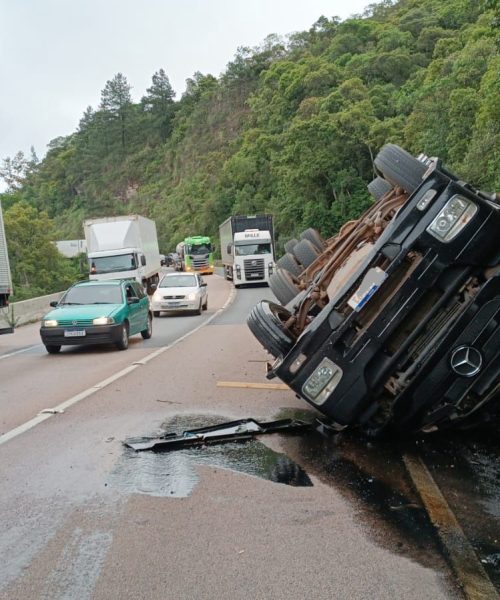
x,y
241,430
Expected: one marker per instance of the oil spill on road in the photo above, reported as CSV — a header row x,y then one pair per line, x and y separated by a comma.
x,y
174,474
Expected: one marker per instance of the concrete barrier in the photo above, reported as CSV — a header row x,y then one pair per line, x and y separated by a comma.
x,y
28,311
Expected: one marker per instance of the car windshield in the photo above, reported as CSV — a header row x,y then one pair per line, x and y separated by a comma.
x,y
93,294
178,281
199,249
251,249
112,264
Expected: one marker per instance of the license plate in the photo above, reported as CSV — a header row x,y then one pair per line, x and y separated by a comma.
x,y
75,333
170,304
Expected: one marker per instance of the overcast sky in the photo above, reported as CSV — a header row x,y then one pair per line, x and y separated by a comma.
x,y
56,55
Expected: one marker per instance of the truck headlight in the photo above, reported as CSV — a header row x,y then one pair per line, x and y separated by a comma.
x,y
103,321
321,383
238,271
50,323
457,212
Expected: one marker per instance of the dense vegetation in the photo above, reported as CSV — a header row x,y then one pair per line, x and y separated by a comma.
x,y
289,128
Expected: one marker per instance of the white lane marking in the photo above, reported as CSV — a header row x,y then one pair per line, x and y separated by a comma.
x,y
99,386
18,351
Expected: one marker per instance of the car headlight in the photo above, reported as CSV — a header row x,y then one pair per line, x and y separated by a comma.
x,y
50,323
457,212
192,296
323,380
103,321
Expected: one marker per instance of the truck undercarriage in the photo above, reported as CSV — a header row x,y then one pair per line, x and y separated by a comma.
x,y
394,323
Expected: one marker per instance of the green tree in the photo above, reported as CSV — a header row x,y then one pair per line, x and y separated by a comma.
x,y
36,265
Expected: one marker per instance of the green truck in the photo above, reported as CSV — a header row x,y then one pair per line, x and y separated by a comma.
x,y
196,254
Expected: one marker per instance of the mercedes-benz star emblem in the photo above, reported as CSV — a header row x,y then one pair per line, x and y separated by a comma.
x,y
73,322
466,361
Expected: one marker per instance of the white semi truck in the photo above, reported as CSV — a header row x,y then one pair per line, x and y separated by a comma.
x,y
247,248
123,248
5,281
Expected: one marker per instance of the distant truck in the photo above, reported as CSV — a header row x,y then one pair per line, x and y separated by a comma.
x,y
247,248
71,248
5,281
123,248
196,253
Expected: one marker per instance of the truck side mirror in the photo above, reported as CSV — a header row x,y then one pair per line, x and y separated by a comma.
x,y
54,303
229,248
143,260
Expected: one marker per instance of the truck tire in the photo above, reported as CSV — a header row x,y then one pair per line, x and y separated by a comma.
x,y
288,262
52,348
379,187
306,252
122,343
266,323
289,246
400,167
284,286
148,332
314,237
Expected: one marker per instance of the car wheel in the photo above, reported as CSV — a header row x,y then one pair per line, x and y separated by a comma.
x,y
205,306
314,237
284,286
266,322
148,332
156,313
198,310
122,344
288,262
379,187
306,252
400,167
52,349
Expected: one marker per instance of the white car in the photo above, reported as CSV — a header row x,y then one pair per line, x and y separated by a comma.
x,y
180,292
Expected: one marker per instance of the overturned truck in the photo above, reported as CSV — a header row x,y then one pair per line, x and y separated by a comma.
x,y
393,324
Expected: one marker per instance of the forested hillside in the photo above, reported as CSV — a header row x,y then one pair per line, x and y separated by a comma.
x,y
289,128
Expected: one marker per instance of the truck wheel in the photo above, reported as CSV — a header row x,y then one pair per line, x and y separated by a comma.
x,y
52,349
314,237
305,252
379,187
400,167
266,322
122,343
288,262
284,286
148,332
289,246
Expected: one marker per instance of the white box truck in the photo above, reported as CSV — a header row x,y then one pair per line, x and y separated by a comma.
x,y
123,248
5,281
247,248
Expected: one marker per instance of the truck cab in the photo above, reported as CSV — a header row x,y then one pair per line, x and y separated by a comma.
x,y
253,256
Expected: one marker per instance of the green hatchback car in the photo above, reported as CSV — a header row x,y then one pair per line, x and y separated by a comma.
x,y
97,312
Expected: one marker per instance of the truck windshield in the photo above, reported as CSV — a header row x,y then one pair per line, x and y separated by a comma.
x,y
112,264
93,294
252,249
198,249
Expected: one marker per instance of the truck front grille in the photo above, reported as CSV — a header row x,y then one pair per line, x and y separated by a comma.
x,y
200,263
254,268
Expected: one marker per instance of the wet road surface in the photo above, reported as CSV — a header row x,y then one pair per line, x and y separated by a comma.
x,y
281,517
